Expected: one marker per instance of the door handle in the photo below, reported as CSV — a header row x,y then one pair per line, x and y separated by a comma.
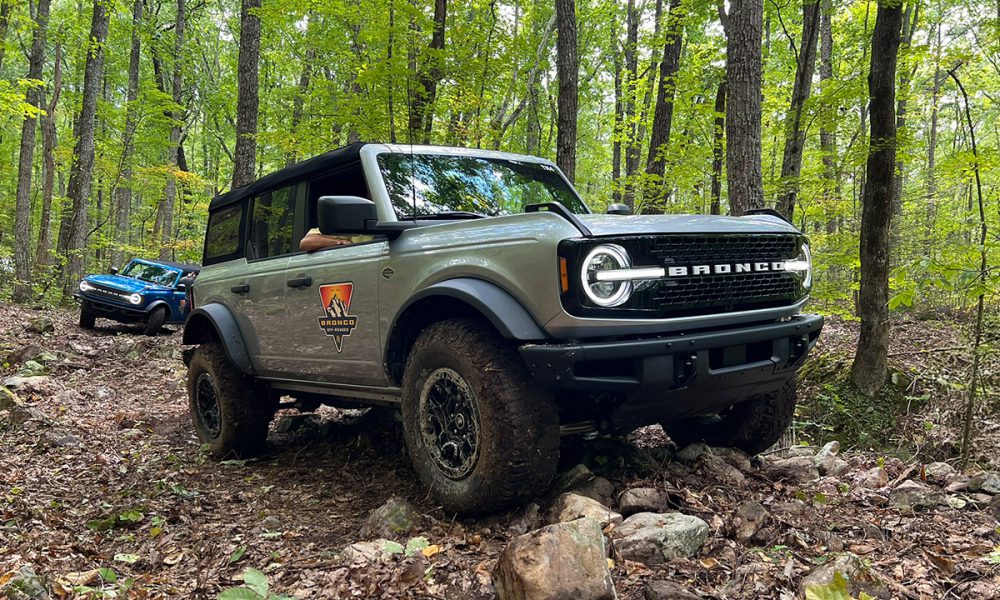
x,y
300,282
242,288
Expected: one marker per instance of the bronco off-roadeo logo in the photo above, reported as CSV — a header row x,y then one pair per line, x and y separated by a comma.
x,y
336,299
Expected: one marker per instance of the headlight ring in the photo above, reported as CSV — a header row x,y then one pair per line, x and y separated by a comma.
x,y
606,294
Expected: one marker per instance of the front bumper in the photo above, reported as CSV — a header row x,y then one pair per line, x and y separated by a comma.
x,y
654,379
115,311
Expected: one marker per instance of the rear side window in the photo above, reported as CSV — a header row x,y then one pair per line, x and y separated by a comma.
x,y
271,224
222,240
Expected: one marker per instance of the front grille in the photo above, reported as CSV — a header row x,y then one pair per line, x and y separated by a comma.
x,y
701,249
106,293
702,294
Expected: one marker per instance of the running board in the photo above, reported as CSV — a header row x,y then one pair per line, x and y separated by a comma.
x,y
389,396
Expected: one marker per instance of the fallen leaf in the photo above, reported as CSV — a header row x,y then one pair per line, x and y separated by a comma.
x,y
431,550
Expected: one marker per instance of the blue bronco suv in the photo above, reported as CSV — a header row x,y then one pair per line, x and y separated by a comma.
x,y
150,291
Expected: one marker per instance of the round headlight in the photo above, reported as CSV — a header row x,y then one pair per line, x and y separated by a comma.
x,y
135,298
85,287
606,293
802,265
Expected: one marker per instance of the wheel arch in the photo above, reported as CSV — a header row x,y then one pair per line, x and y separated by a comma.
x,y
157,304
460,297
215,323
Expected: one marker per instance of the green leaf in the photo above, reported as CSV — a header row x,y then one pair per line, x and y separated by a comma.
x,y
256,581
131,516
108,575
392,548
835,590
129,559
415,545
240,593
237,554
102,524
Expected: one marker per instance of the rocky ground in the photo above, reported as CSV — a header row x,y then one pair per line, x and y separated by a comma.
x,y
104,492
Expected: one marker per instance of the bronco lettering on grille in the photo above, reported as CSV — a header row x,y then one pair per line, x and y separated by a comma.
x,y
724,268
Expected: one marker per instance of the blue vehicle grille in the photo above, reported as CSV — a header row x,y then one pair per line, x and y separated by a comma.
x,y
105,293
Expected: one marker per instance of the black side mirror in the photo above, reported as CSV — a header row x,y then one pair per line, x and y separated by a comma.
x,y
619,209
346,214
114,270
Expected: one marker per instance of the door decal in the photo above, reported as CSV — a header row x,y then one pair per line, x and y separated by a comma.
x,y
336,299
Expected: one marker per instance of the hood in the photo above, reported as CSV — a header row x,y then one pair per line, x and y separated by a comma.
x,y
118,282
611,225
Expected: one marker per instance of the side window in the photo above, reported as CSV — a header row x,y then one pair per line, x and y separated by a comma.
x,y
222,240
271,224
346,181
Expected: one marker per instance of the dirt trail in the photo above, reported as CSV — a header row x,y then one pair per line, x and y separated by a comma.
x,y
100,469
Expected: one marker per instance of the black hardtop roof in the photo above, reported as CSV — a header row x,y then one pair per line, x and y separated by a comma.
x,y
292,174
187,268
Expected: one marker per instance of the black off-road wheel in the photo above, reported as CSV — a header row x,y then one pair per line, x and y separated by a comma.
x,y
751,426
156,320
231,413
87,316
481,434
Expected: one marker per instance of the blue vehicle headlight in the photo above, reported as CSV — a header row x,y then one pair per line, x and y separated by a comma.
x,y
135,298
85,287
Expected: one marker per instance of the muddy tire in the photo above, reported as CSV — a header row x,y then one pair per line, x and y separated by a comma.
x,y
230,412
87,316
751,426
156,320
481,434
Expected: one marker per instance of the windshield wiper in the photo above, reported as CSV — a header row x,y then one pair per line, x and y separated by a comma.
x,y
447,214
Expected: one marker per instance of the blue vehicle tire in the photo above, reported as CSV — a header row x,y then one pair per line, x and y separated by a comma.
x,y
87,316
156,320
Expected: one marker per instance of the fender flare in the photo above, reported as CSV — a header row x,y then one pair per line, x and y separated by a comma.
x,y
223,324
503,311
156,304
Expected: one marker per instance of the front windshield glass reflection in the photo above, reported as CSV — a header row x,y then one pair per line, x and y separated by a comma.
x,y
151,273
429,185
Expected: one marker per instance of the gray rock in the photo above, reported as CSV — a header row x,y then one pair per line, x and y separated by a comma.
x,y
17,382
719,470
987,482
569,507
643,499
598,488
874,478
395,517
749,518
667,590
653,538
827,461
29,352
849,567
829,450
799,451
911,494
994,507
691,453
32,368
25,584
41,325
374,552
526,520
735,457
565,561
575,477
799,469
939,472
271,523
959,483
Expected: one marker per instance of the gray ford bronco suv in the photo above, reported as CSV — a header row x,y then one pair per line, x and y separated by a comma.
x,y
477,292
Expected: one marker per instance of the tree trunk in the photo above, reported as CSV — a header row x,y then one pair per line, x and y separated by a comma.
x,y
568,72
165,216
743,27
305,78
25,165
795,136
5,8
82,174
630,88
828,136
905,74
123,192
931,208
42,254
869,369
616,135
717,147
247,100
659,136
431,73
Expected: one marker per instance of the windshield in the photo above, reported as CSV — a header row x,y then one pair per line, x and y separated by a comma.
x,y
425,185
151,273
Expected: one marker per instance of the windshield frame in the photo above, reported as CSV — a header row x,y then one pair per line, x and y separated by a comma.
x,y
388,210
138,261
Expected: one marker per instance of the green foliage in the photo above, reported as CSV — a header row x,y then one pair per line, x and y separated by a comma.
x,y
835,590
256,588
